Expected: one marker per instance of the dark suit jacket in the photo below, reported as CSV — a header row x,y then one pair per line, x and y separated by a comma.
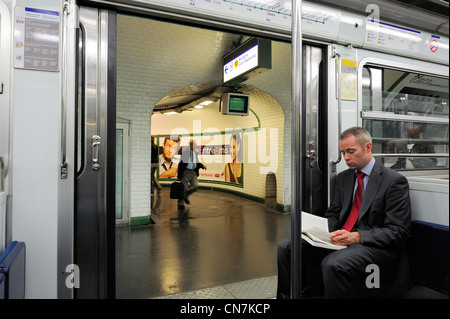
x,y
183,164
384,220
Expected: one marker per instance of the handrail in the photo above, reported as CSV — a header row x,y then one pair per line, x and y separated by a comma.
x,y
2,174
339,96
63,167
408,140
385,116
410,155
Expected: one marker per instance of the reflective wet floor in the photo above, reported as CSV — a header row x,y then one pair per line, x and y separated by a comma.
x,y
218,240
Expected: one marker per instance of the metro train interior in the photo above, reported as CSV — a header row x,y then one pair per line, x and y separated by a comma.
x,y
275,83
131,71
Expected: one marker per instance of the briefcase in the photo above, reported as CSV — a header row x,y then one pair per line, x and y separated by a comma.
x,y
176,190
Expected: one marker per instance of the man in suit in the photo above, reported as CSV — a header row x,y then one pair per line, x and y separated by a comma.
x,y
188,171
375,233
168,165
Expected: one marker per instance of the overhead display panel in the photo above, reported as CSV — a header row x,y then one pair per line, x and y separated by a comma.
x,y
241,64
246,61
390,37
274,15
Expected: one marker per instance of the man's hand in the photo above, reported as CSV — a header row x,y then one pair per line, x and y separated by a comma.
x,y
345,238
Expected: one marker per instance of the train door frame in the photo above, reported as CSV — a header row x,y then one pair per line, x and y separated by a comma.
x,y
199,22
314,130
5,47
312,155
94,239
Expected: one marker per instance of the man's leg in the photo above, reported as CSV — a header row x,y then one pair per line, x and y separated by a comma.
x,y
311,277
193,185
342,267
185,182
284,269
155,181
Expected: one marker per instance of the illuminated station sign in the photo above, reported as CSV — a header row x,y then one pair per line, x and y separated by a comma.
x,y
246,61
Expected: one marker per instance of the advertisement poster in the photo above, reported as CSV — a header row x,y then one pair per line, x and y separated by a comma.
x,y
221,154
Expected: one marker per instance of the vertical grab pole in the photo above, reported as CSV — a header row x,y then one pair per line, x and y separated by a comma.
x,y
296,149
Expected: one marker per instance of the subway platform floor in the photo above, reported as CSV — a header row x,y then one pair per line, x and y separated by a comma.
x,y
221,246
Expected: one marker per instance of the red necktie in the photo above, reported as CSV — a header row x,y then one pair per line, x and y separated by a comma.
x,y
354,213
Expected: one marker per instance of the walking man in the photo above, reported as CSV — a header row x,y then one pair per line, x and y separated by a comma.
x,y
188,171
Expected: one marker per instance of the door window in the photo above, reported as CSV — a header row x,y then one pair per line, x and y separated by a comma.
x,y
122,173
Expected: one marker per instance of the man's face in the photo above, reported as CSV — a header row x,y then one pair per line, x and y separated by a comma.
x,y
170,149
355,156
234,149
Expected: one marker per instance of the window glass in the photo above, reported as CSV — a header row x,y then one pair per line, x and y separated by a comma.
x,y
407,114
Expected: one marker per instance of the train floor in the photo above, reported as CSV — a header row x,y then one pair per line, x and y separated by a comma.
x,y
221,246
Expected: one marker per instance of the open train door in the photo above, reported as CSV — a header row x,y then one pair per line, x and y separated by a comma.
x,y
314,132
94,251
309,140
312,155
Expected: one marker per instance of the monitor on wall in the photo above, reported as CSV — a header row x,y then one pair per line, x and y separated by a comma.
x,y
235,104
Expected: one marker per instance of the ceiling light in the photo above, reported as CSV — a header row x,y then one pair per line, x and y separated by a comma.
x,y
199,106
170,113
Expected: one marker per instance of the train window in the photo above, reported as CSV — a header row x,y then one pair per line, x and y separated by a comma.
x,y
80,123
407,114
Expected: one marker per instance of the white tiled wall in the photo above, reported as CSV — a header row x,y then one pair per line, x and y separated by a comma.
x,y
154,59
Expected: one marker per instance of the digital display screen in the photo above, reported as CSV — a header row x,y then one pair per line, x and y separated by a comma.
x,y
237,104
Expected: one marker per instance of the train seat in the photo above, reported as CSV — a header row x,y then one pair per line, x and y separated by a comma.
x,y
430,255
12,267
2,286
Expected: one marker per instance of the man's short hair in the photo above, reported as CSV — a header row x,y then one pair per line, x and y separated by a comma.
x,y
173,138
361,135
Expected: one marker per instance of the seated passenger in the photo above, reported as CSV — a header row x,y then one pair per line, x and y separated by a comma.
x,y
417,132
375,231
398,147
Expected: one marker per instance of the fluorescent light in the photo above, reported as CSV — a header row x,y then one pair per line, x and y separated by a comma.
x,y
206,102
170,113
199,106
